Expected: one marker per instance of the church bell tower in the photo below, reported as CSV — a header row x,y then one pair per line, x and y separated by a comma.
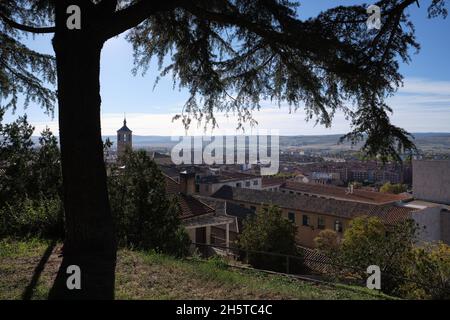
x,y
124,139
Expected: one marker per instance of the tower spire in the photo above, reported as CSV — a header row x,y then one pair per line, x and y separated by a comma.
x,y
124,138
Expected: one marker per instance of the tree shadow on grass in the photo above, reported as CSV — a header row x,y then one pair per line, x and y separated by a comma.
x,y
97,277
28,292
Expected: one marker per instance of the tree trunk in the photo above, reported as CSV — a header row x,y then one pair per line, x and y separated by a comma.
x,y
90,240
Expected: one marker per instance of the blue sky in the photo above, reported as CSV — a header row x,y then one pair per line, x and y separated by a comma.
x,y
422,105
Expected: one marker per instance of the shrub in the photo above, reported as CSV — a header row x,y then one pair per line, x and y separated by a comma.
x,y
327,241
145,217
32,218
430,269
393,188
368,241
270,232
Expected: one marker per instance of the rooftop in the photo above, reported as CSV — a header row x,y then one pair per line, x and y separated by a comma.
x,y
124,127
238,211
421,204
270,182
190,207
342,193
227,176
389,213
170,171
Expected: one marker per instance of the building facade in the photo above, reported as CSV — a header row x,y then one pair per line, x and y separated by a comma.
x,y
431,180
431,191
312,213
208,185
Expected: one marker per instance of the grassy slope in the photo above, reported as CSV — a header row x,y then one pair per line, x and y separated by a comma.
x,y
151,276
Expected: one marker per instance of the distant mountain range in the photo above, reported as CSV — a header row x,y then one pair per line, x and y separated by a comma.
x,y
425,141
437,141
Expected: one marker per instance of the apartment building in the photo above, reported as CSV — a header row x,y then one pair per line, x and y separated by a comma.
x,y
313,213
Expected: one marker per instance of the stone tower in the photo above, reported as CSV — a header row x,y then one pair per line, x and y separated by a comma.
x,y
124,139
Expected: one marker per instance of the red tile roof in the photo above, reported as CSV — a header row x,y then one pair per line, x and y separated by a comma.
x,y
342,193
227,176
269,182
189,206
389,213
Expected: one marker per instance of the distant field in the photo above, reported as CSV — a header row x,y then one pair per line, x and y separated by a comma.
x,y
424,141
151,276
439,142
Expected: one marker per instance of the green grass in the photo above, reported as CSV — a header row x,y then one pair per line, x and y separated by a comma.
x,y
147,275
21,249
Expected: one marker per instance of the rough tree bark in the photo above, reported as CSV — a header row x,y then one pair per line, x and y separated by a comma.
x,y
90,241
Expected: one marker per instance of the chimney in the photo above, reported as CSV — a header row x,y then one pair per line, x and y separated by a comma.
x,y
349,189
187,182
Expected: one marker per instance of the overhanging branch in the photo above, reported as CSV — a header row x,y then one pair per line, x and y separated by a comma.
x,y
25,28
125,19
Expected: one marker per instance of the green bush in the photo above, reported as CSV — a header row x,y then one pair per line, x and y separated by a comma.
x,y
369,241
408,270
32,218
393,188
145,216
430,269
270,232
327,241
218,262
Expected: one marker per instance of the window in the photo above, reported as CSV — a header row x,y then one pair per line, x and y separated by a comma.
x,y
238,185
291,216
305,220
338,226
320,223
255,182
247,183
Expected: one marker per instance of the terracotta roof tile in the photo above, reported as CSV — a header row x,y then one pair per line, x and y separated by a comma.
x,y
269,182
342,193
226,176
389,213
189,206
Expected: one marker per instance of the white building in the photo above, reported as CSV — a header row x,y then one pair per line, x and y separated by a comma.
x,y
431,191
208,185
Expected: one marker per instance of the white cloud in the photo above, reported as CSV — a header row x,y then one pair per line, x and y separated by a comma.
x,y
421,105
425,86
